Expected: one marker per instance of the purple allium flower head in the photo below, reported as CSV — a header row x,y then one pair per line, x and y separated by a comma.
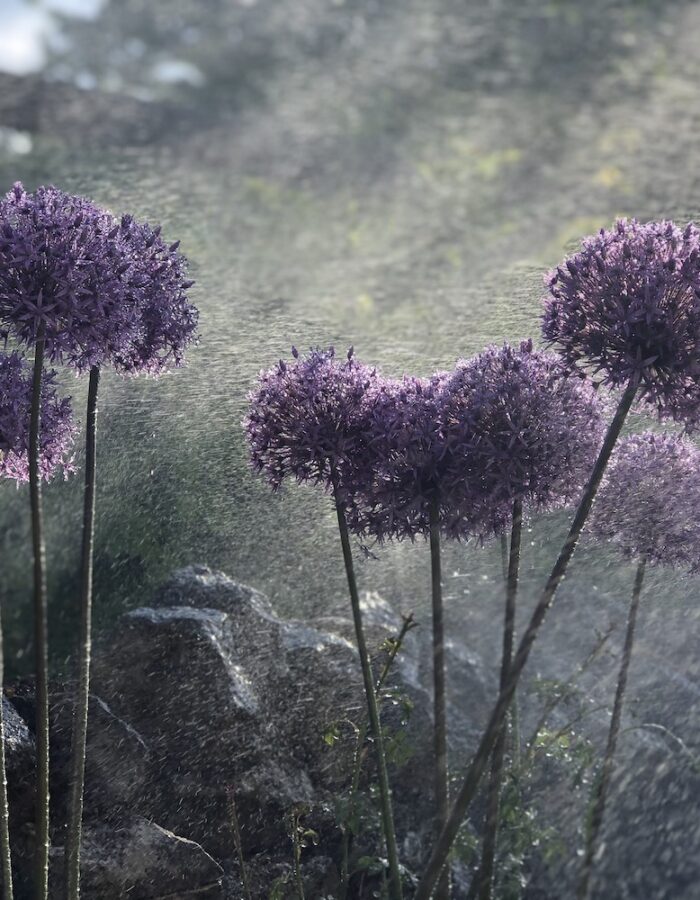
x,y
627,306
647,506
59,265
167,321
107,291
406,463
57,427
306,418
530,430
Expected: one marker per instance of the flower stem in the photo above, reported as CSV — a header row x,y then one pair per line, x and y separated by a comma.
x,y
479,762
294,820
372,707
601,791
238,841
493,808
80,717
504,556
41,636
396,644
5,851
439,690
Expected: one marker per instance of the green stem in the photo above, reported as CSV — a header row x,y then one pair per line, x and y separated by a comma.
x,y
441,775
5,851
358,756
488,854
41,636
372,706
601,792
235,825
296,843
479,762
504,556
80,718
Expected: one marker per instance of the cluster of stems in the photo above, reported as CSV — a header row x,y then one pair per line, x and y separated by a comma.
x,y
497,719
482,886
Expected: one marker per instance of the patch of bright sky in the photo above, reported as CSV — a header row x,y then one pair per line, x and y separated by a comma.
x,y
25,26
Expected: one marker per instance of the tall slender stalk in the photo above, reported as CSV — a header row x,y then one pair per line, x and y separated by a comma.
x,y
441,775
504,556
41,631
80,715
493,809
372,706
358,757
603,785
238,841
479,762
5,851
294,822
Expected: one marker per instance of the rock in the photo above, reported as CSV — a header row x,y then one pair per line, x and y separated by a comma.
x,y
140,860
225,694
20,762
117,760
193,682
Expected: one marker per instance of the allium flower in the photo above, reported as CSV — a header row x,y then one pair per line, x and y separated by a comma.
x,y
167,321
627,306
106,290
306,418
530,430
510,424
60,265
648,504
408,463
57,427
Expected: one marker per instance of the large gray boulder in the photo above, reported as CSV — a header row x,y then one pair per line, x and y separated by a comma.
x,y
228,696
193,682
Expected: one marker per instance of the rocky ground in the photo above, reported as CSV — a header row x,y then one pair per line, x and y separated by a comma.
x,y
207,694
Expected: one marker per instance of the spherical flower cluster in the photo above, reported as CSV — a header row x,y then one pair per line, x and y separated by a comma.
x,y
408,464
626,307
647,507
524,429
167,321
59,268
512,424
104,290
57,427
306,419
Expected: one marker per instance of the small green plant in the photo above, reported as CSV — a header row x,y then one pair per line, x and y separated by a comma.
x,y
302,837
